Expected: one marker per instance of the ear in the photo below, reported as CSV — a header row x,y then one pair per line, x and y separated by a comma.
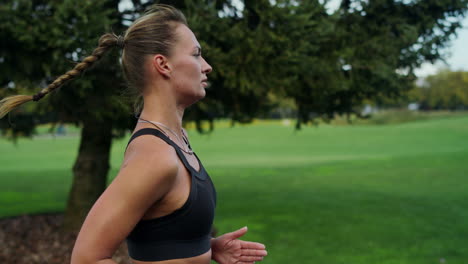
x,y
161,65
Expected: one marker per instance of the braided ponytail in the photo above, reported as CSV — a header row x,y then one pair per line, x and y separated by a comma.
x,y
106,42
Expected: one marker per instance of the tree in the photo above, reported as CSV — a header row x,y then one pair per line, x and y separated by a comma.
x,y
379,44
446,90
326,63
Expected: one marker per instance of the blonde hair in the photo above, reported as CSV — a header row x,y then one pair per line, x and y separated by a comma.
x,y
152,33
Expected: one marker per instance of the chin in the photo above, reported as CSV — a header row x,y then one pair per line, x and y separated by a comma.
x,y
197,97
202,94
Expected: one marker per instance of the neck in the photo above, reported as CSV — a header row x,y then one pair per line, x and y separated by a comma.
x,y
164,109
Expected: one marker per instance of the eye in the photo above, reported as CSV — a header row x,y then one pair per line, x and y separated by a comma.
x,y
197,52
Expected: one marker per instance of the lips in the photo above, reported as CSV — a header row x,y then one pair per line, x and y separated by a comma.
x,y
204,83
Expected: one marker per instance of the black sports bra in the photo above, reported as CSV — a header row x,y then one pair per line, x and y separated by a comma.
x,y
185,232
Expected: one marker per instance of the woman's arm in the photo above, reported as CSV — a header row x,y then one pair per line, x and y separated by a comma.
x,y
147,174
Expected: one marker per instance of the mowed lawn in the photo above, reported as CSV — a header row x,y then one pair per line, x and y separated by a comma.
x,y
327,194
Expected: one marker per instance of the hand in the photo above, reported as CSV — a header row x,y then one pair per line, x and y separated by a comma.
x,y
228,249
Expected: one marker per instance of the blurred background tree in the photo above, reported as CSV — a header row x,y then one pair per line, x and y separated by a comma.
x,y
446,90
266,54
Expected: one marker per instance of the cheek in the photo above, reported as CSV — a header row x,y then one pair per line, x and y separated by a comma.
x,y
195,69
189,70
187,74
187,77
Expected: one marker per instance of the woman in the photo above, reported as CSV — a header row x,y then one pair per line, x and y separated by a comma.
x,y
162,200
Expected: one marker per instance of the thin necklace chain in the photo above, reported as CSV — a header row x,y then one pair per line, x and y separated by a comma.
x,y
184,142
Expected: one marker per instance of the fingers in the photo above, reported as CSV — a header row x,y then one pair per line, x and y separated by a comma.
x,y
250,258
254,253
238,233
251,245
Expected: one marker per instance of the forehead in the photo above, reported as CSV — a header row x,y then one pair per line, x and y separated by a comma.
x,y
186,38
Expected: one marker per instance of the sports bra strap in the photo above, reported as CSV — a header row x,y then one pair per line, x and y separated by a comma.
x,y
150,131
159,134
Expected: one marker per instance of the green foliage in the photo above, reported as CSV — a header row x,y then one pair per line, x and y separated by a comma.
x,y
445,90
395,116
381,42
327,63
41,40
355,194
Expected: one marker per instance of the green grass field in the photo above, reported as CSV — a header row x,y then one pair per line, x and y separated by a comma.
x,y
330,194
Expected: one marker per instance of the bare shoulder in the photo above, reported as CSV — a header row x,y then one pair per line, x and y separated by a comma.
x,y
150,155
148,172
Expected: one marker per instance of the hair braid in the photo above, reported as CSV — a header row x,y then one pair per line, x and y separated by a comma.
x,y
106,42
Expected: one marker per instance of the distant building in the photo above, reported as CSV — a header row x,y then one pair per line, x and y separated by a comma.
x,y
413,106
368,109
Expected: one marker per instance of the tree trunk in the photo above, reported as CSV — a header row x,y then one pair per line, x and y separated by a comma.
x,y
89,172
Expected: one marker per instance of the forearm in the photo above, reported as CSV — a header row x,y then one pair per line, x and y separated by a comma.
x,y
87,258
106,261
102,261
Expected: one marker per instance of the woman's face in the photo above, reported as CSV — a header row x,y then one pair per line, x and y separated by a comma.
x,y
189,69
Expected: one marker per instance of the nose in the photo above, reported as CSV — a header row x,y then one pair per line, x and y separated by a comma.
x,y
206,67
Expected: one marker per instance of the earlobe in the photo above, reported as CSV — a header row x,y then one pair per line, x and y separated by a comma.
x,y
161,64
